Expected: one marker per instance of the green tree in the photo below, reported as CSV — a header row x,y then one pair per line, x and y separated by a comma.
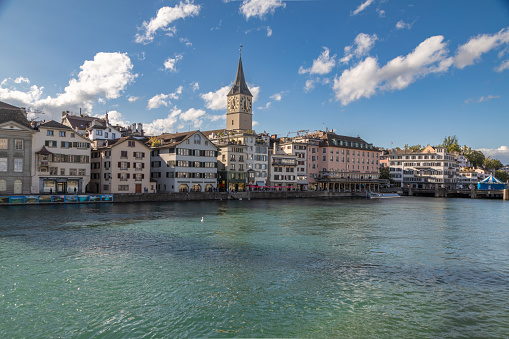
x,y
501,175
492,164
451,144
416,148
384,173
476,158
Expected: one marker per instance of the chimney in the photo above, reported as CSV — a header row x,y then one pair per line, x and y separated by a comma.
x,y
106,119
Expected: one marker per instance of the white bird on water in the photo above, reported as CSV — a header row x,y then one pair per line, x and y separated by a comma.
x,y
201,219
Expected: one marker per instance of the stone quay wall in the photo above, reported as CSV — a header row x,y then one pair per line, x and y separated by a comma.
x,y
195,196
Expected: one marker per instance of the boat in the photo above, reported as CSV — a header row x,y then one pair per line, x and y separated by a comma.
x,y
373,195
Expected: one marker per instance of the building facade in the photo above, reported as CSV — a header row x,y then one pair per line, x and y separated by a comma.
x,y
16,136
120,166
61,161
184,162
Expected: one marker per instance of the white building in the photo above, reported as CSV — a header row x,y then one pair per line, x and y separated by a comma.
x,y
433,167
298,149
183,162
61,160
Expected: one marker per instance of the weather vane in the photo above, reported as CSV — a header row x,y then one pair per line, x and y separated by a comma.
x,y
240,49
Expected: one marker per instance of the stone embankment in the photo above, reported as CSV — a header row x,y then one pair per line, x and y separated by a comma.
x,y
190,196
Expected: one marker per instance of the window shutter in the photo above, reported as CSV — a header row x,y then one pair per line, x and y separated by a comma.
x,y
118,175
143,176
128,165
119,164
134,154
142,165
143,155
128,175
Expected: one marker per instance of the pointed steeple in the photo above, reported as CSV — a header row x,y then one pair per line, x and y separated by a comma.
x,y
240,86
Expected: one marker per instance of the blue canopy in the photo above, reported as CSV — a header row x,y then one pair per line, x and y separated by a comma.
x,y
490,183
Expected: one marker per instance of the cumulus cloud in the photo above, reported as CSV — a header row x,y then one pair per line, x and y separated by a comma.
x,y
20,80
104,77
163,99
321,65
260,8
195,86
363,43
277,96
116,119
164,19
471,52
164,125
217,100
362,7
186,42
501,153
132,98
178,119
269,31
170,63
365,78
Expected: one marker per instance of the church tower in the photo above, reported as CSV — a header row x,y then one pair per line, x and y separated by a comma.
x,y
239,114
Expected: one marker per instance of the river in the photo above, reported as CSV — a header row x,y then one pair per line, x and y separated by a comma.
x,y
404,267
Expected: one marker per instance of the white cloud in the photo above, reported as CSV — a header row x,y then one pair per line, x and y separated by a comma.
x,y
195,86
115,118
363,43
482,99
163,99
503,66
401,25
267,105
310,84
381,13
259,8
322,65
104,77
216,100
133,99
21,79
471,52
269,31
364,79
277,96
170,63
165,125
362,7
164,18
186,42
501,153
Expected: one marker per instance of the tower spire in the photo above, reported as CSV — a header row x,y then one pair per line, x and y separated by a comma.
x,y
240,86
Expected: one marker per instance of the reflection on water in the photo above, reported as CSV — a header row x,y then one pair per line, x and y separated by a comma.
x,y
295,268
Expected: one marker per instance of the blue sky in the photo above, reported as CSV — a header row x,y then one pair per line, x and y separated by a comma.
x,y
392,72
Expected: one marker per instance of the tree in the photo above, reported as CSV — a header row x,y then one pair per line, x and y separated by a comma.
x,y
384,173
501,175
451,144
476,158
416,148
154,141
492,164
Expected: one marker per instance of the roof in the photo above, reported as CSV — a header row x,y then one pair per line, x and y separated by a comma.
x,y
116,142
82,122
173,139
240,86
13,113
491,180
44,150
331,139
54,124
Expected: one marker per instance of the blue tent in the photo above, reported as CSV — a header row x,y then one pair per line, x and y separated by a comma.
x,y
490,183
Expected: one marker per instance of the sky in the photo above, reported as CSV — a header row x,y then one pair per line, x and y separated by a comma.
x,y
392,72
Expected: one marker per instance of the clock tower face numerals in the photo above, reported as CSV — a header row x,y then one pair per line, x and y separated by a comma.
x,y
239,103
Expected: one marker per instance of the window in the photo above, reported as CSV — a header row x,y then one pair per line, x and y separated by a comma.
x,y
82,172
53,170
3,164
72,135
73,171
3,185
49,133
113,135
197,139
18,144
123,154
3,143
61,133
105,134
123,187
131,143
18,165
98,132
62,171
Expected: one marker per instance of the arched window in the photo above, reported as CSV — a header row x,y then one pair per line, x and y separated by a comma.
x,y
196,188
3,185
183,188
208,188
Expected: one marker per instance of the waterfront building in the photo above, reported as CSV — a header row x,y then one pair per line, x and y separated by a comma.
x,y
61,161
183,162
16,135
120,166
428,169
299,150
282,168
340,163
96,128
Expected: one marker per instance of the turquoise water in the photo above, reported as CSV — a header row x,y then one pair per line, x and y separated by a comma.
x,y
408,267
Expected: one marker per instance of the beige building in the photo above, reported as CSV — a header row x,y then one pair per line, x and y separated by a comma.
x,y
120,166
15,150
61,161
